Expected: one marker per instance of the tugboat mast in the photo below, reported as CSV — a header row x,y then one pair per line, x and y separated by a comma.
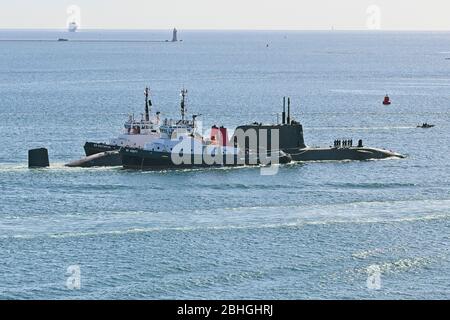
x,y
289,111
148,103
183,104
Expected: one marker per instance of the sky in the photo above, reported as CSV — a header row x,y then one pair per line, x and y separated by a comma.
x,y
229,14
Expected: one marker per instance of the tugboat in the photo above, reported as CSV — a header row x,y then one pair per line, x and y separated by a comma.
x,y
386,100
182,146
425,125
136,134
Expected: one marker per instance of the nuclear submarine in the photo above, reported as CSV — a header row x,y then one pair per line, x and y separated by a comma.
x,y
292,143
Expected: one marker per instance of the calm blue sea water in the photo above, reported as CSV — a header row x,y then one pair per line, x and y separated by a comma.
x,y
311,231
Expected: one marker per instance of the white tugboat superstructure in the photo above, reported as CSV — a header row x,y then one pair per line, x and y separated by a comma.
x,y
135,133
182,145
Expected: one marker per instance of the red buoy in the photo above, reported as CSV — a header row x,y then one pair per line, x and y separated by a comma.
x,y
386,100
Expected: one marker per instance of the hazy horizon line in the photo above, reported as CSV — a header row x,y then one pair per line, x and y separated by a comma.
x,y
223,29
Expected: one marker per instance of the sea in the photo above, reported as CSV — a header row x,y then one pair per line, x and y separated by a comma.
x,y
317,230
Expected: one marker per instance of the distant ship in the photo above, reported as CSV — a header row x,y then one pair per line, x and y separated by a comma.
x,y
425,125
73,27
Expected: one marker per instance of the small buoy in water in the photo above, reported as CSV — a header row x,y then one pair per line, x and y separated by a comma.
x,y
267,45
386,100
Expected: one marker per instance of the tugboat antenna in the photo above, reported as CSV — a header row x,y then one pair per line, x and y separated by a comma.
x,y
289,111
147,103
183,104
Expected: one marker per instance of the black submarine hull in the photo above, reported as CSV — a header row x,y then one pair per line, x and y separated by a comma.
x,y
291,142
341,154
132,158
139,159
98,155
101,159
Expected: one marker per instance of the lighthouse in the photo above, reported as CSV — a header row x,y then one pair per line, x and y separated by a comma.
x,y
174,35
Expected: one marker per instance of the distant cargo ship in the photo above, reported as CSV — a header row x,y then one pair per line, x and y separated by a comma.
x,y
73,27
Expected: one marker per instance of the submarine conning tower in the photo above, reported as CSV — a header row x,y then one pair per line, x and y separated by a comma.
x,y
290,131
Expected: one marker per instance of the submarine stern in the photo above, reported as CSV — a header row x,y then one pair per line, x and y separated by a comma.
x,y
102,159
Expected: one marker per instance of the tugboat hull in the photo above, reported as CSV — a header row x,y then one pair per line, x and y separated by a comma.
x,y
91,148
139,159
149,160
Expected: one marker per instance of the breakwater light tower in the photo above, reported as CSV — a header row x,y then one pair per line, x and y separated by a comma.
x,y
174,35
